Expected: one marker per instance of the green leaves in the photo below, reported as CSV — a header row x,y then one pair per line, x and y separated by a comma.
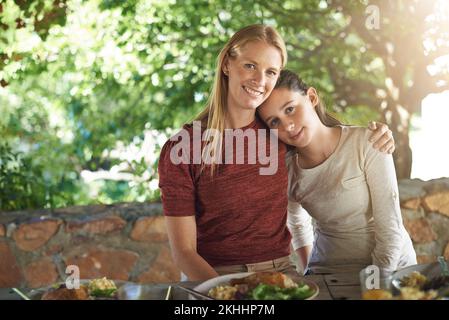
x,y
78,78
21,183
269,292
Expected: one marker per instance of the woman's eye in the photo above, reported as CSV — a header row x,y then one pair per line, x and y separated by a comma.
x,y
250,66
271,73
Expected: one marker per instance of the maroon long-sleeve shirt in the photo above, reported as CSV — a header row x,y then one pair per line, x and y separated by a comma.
x,y
240,214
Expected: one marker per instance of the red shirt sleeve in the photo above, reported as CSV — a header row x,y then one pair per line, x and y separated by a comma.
x,y
176,184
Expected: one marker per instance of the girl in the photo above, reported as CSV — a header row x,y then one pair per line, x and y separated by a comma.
x,y
348,188
225,218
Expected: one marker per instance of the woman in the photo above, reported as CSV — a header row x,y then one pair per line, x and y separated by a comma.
x,y
224,218
349,188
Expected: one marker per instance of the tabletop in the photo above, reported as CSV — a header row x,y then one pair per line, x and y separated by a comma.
x,y
341,286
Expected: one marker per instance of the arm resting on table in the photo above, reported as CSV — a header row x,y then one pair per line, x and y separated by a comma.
x,y
182,236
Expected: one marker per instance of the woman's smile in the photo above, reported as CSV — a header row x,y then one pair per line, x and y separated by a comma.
x,y
252,92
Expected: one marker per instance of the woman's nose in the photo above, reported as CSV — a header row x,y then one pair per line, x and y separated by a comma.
x,y
259,79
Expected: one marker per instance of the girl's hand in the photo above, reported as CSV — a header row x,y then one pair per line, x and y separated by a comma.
x,y
382,137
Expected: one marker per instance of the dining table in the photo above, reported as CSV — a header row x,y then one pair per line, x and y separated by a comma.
x,y
338,286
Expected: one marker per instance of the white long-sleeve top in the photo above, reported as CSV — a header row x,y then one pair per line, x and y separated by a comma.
x,y
353,199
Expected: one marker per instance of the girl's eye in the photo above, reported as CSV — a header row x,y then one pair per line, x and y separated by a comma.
x,y
250,66
289,109
274,123
271,73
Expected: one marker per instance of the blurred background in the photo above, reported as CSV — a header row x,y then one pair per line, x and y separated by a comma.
x,y
91,90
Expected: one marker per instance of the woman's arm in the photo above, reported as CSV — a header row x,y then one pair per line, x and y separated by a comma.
x,y
382,137
389,233
182,236
299,223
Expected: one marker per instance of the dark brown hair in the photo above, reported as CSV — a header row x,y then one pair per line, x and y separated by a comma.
x,y
290,80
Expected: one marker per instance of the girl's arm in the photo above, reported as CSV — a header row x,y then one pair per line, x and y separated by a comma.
x,y
182,236
299,223
389,231
303,257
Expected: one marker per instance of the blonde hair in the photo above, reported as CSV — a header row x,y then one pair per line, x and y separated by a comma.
x,y
215,111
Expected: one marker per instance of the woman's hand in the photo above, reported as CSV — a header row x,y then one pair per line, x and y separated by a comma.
x,y
382,137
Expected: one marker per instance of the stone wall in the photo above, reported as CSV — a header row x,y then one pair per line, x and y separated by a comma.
x,y
425,211
123,242
129,241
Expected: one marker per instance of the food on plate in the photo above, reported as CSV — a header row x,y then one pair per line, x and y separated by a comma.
x,y
262,286
410,293
377,294
423,287
96,288
414,280
102,288
269,278
414,286
224,292
63,293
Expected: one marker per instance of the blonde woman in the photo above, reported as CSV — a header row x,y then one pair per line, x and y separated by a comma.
x,y
226,218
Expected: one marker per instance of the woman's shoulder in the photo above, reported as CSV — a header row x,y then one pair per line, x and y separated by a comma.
x,y
356,135
183,134
179,145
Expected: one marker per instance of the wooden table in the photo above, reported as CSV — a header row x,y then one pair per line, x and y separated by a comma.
x,y
342,286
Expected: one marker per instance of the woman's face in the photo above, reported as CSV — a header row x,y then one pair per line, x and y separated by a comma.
x,y
252,74
293,114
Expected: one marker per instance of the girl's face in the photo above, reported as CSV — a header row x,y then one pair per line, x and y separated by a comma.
x,y
252,74
293,114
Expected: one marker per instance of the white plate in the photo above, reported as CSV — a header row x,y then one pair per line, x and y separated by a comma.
x,y
225,279
125,291
430,270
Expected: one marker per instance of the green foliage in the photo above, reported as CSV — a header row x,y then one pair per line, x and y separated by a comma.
x,y
26,184
20,183
357,116
81,80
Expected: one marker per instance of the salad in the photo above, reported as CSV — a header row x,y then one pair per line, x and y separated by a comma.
x,y
263,286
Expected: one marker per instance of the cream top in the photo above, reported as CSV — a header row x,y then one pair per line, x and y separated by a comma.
x,y
353,199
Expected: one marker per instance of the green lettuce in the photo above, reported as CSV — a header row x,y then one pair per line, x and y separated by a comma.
x,y
268,292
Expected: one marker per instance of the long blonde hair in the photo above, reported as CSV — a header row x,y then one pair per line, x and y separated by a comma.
x,y
214,113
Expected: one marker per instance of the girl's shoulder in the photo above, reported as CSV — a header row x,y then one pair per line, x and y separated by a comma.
x,y
357,140
355,131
